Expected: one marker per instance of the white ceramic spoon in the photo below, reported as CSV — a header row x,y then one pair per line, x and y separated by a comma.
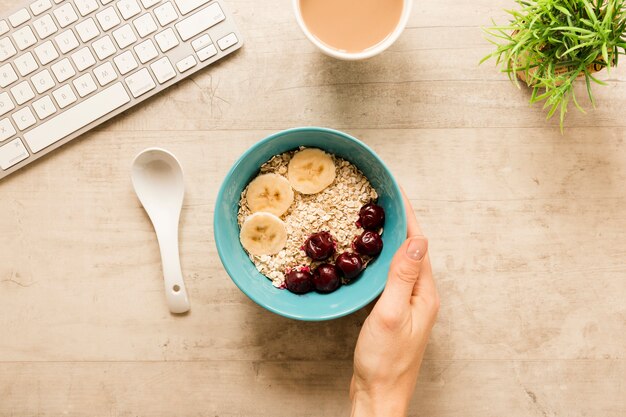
x,y
158,181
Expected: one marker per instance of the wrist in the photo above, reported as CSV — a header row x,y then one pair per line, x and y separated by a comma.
x,y
378,403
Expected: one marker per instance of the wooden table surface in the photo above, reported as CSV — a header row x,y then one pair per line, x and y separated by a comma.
x,y
527,229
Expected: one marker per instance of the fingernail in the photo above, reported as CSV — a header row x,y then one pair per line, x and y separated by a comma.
x,y
417,248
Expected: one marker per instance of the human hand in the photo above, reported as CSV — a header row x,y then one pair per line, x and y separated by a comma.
x,y
393,339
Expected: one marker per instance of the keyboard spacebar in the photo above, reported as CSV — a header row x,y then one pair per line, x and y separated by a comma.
x,y
77,117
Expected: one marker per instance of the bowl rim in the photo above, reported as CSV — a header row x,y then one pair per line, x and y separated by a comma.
x,y
218,226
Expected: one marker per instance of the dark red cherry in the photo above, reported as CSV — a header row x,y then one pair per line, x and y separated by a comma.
x,y
326,278
369,243
371,217
320,246
350,264
299,282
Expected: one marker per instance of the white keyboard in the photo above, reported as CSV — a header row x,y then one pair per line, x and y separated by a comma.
x,y
68,65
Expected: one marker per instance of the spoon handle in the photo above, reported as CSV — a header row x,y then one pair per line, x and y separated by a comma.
x,y
175,291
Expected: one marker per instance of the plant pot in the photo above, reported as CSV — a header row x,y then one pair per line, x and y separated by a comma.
x,y
592,68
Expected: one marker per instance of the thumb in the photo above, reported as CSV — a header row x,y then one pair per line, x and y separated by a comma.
x,y
405,270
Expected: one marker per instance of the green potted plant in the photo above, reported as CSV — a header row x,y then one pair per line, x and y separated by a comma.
x,y
550,44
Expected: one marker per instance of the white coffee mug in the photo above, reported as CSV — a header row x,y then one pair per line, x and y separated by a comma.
x,y
354,56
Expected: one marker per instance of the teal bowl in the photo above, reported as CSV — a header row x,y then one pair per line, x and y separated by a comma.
x,y
312,306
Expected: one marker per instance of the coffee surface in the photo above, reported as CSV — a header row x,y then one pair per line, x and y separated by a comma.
x,y
351,25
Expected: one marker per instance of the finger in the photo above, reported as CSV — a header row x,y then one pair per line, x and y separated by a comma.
x,y
425,287
425,301
413,227
405,271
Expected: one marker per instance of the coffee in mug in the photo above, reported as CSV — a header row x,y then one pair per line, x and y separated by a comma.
x,y
354,29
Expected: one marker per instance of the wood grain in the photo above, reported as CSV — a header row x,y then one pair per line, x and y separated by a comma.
x,y
304,388
527,229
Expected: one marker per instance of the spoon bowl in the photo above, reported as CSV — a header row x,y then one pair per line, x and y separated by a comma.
x,y
159,176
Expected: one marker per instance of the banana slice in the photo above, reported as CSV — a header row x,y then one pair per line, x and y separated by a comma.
x,y
311,170
263,234
271,193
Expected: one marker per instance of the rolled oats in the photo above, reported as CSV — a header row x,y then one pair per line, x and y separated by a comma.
x,y
335,209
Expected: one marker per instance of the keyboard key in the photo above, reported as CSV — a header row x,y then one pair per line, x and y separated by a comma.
x,y
42,81
63,70
166,13
40,6
12,153
128,8
140,83
64,96
24,38
46,52
26,64
77,117
206,53
6,129
45,26
186,63
44,107
105,2
108,18
200,21
83,59
104,47
105,74
124,36
66,41
166,40
24,118
145,51
163,70
86,6
125,62
22,93
19,17
4,27
87,30
185,6
200,43
84,85
6,104
145,25
65,15
7,75
7,50
58,1
149,3
227,41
